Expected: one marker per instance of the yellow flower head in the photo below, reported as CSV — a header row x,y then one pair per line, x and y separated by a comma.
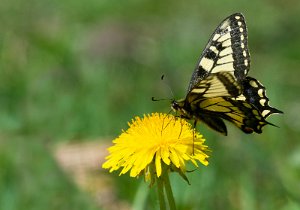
x,y
156,139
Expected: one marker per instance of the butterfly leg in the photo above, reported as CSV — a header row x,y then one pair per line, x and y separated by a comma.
x,y
182,117
176,118
194,135
163,124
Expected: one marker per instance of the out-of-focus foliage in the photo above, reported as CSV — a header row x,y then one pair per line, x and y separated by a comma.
x,y
82,69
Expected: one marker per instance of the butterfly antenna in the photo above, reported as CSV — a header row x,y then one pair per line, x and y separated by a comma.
x,y
170,89
168,86
160,99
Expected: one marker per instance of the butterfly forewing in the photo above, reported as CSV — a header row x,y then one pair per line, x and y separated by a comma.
x,y
226,51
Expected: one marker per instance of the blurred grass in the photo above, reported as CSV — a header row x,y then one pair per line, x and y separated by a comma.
x,y
82,69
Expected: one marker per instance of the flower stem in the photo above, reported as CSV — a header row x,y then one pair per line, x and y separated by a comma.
x,y
160,191
169,191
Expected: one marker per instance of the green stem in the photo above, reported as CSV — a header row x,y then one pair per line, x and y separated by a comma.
x,y
160,191
169,190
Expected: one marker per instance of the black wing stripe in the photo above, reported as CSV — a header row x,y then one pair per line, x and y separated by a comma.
x,y
240,47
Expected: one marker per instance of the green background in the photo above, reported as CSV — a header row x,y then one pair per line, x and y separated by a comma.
x,y
77,70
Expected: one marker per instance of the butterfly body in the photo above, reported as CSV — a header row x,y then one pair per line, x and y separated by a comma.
x,y
220,88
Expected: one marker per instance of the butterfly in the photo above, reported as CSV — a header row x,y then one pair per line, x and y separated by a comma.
x,y
220,88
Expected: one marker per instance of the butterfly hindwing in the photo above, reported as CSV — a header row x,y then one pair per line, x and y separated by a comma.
x,y
226,51
240,113
255,94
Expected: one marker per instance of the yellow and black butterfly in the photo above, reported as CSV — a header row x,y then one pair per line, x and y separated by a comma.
x,y
220,88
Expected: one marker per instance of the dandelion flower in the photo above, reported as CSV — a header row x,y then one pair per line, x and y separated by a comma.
x,y
154,141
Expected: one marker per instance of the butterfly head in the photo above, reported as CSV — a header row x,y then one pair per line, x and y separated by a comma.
x,y
175,106
178,106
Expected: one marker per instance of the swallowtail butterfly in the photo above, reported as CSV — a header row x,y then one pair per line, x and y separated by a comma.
x,y
220,88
